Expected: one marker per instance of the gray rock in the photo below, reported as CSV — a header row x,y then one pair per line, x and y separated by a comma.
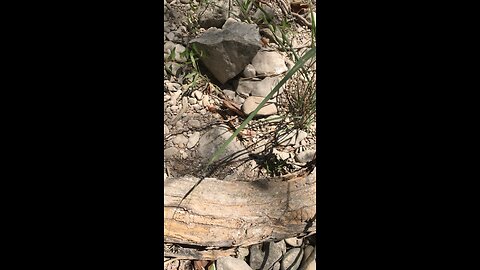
x,y
180,140
179,48
230,263
197,94
193,140
251,103
292,259
286,139
213,15
170,152
243,252
213,139
276,266
165,130
305,156
261,15
256,87
268,257
194,123
239,100
245,87
312,265
237,43
171,36
269,34
184,1
175,97
308,249
168,46
205,100
265,86
192,101
249,71
294,241
269,63
229,93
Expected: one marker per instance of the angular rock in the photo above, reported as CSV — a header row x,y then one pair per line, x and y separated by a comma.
x,y
251,103
292,259
227,51
269,63
230,263
213,15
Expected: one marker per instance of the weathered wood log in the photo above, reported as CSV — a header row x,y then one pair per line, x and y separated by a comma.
x,y
225,214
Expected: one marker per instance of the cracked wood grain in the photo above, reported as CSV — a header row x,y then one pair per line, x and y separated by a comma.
x,y
227,214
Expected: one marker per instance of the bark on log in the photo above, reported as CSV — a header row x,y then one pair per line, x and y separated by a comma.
x,y
225,214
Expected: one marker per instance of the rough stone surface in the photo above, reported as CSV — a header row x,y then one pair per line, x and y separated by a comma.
x,y
194,123
305,156
269,63
256,87
229,263
251,103
249,71
213,139
180,140
229,93
307,251
292,259
193,139
268,257
213,15
170,152
294,241
236,42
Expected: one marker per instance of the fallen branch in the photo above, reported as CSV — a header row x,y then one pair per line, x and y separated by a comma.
x,y
226,214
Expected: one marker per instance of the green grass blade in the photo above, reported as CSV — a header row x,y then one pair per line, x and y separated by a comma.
x,y
299,64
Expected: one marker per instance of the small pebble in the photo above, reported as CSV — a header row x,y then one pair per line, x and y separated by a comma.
x,y
205,101
192,101
198,94
294,241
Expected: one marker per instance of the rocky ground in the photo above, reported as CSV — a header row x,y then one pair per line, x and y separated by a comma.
x,y
204,105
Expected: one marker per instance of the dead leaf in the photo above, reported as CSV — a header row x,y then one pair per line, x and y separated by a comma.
x,y
200,265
